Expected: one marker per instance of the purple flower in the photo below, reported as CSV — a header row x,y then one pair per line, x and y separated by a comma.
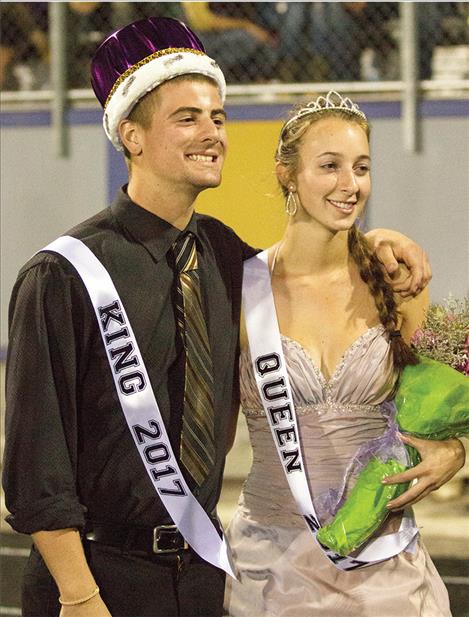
x,y
445,334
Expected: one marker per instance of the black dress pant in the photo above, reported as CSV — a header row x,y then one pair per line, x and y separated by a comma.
x,y
134,586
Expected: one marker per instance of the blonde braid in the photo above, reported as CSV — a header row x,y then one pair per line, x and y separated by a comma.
x,y
372,274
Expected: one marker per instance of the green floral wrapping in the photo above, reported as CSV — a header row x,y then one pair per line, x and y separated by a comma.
x,y
433,401
365,508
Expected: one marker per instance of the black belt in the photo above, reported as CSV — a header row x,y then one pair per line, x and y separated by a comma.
x,y
159,540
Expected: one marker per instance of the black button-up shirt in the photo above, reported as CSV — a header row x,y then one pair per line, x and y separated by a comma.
x,y
69,453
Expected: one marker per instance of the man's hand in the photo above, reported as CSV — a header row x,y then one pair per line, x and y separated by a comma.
x,y
440,461
62,550
94,607
391,248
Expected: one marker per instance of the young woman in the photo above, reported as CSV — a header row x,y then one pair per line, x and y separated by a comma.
x,y
343,336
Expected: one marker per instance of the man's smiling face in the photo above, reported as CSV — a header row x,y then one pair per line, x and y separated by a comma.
x,y
185,146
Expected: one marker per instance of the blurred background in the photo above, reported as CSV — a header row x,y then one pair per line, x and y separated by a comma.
x,y
406,64
254,42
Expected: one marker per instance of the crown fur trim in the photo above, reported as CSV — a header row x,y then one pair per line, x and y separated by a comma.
x,y
147,75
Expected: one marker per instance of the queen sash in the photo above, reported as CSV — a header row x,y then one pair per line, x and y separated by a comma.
x,y
275,393
140,407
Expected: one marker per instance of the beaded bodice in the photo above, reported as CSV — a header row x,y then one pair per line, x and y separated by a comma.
x,y
364,377
335,417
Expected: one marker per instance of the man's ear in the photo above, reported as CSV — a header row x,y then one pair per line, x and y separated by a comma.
x,y
130,134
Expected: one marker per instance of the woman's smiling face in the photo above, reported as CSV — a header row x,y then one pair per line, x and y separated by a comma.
x,y
333,173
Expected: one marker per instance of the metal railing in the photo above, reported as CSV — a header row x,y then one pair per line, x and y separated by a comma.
x,y
408,89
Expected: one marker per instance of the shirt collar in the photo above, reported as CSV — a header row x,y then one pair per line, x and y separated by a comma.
x,y
156,234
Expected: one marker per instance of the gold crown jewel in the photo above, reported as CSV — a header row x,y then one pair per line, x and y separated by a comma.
x,y
332,101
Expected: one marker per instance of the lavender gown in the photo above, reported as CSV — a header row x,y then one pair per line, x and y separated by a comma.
x,y
283,571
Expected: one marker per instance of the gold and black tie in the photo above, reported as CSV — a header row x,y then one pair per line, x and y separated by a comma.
x,y
197,437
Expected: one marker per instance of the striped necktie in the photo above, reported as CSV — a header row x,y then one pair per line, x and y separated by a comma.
x,y
197,437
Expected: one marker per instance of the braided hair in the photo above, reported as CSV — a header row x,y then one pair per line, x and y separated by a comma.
x,y
368,264
371,273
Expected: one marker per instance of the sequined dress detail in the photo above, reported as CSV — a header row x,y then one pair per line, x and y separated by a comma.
x,y
283,571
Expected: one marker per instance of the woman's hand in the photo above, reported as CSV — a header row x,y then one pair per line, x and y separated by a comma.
x,y
392,247
440,461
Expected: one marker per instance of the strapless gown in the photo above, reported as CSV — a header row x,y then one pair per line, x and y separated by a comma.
x,y
283,572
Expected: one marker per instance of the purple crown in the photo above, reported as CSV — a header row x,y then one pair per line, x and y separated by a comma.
x,y
139,57
122,50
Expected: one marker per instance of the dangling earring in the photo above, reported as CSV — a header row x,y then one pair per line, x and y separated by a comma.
x,y
291,205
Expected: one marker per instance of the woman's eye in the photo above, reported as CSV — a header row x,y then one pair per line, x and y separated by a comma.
x,y
329,166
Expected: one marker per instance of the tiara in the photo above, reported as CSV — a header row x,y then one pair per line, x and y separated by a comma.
x,y
332,101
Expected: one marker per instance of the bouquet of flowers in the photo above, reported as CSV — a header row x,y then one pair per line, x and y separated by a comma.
x,y
432,402
444,337
433,396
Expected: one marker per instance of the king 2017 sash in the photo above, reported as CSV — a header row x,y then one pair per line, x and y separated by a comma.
x,y
140,407
276,396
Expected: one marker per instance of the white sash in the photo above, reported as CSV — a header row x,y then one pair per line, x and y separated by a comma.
x,y
140,407
276,396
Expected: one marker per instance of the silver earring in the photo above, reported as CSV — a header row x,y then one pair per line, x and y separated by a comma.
x,y
291,205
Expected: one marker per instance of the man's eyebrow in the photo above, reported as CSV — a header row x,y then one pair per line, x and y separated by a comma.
x,y
219,112
197,110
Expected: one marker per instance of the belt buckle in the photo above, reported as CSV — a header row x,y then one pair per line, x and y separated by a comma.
x,y
167,534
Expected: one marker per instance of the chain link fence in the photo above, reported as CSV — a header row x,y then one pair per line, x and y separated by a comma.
x,y
254,42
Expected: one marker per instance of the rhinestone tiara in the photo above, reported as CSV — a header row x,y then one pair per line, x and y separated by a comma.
x,y
332,101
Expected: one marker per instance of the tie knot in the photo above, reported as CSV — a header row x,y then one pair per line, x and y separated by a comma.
x,y
185,253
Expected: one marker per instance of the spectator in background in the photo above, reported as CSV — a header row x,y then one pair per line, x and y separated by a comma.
x,y
87,25
318,41
244,50
125,12
24,47
438,23
326,41
431,31
291,21
335,38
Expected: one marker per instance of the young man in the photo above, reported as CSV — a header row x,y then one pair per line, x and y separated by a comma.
x,y
74,473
